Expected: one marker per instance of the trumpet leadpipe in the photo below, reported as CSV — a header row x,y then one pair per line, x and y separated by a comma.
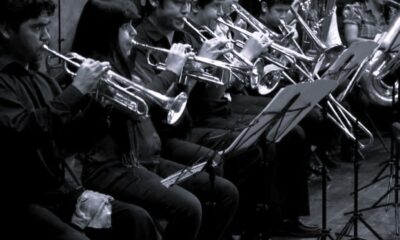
x,y
273,45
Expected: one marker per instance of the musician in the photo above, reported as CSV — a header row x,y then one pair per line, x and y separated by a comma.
x,y
205,13
199,208
270,12
35,112
366,19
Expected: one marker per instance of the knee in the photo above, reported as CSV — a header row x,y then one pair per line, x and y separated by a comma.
x,y
189,207
136,223
297,134
228,193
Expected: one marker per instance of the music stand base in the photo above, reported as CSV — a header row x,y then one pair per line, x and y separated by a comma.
x,y
350,224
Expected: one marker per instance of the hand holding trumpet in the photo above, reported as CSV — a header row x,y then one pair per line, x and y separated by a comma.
x,y
177,57
255,45
89,74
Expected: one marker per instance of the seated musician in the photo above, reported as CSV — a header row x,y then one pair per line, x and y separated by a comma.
x,y
202,206
366,19
35,113
291,184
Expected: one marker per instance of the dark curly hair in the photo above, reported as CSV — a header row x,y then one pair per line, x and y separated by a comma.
x,y
15,12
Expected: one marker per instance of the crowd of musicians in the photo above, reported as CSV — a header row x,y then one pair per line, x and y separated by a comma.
x,y
161,86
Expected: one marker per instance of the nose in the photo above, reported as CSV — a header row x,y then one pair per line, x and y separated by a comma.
x,y
133,32
45,35
220,11
186,8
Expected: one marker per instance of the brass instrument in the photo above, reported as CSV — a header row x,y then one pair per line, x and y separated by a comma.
x,y
384,60
256,68
338,114
374,68
199,75
283,50
253,21
126,90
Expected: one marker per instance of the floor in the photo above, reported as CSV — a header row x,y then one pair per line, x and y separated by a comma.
x,y
340,201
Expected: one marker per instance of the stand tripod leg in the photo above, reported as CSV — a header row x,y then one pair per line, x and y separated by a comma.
x,y
370,228
346,230
378,134
390,185
376,204
396,218
377,178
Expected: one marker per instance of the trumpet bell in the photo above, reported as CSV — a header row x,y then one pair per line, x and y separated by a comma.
x,y
270,79
176,108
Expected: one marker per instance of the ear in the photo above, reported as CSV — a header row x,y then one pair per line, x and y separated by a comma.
x,y
5,31
264,7
154,3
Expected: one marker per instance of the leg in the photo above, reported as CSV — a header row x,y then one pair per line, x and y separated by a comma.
x,y
129,222
143,188
40,223
292,177
219,199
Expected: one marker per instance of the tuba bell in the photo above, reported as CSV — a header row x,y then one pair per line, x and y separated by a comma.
x,y
385,60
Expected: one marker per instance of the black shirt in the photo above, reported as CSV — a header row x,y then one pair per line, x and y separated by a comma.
x,y
33,113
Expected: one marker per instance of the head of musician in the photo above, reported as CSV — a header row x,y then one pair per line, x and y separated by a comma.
x,y
24,28
206,12
270,12
168,15
105,29
227,7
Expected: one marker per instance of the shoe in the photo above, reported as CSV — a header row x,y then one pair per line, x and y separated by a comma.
x,y
297,228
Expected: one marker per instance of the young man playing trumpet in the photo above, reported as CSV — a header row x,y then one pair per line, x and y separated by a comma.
x,y
34,120
289,184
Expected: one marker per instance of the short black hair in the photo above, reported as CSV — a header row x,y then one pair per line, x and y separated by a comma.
x,y
15,12
148,8
203,3
255,9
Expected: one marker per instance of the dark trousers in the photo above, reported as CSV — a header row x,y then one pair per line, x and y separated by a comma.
x,y
195,209
129,222
288,159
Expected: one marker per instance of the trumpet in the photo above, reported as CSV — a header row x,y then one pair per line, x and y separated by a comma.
x,y
202,76
252,21
338,115
281,49
256,67
126,91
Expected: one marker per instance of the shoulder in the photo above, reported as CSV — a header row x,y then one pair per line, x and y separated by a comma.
x,y
353,11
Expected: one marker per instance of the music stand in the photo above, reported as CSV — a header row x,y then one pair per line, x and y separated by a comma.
x,y
351,63
281,114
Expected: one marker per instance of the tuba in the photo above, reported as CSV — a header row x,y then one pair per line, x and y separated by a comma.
x,y
385,60
125,91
